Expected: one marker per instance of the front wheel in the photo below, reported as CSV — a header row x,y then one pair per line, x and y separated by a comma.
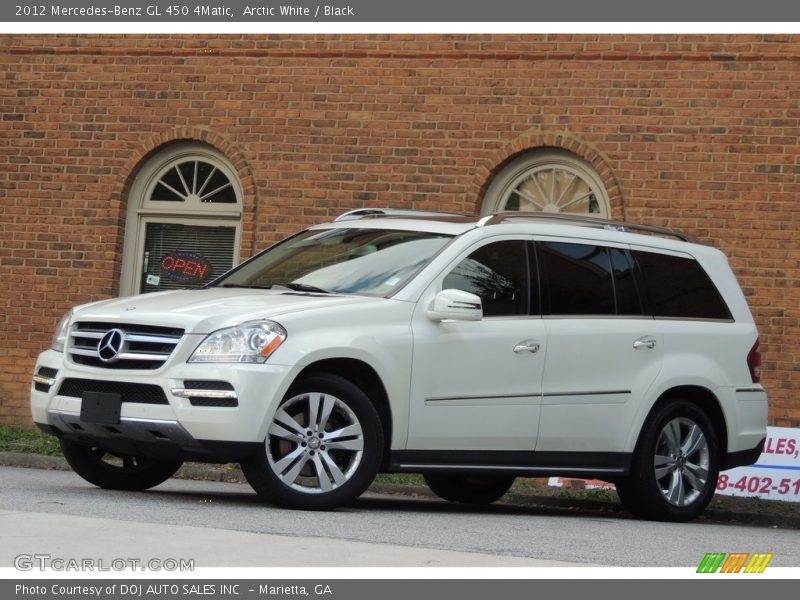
x,y
117,472
323,446
468,489
675,467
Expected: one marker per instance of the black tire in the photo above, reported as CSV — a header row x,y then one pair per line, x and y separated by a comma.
x,y
687,481
117,472
296,470
468,489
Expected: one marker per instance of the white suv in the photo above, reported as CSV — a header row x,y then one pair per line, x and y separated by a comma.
x,y
471,350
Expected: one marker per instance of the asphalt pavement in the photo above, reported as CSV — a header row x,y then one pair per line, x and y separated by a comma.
x,y
736,511
223,523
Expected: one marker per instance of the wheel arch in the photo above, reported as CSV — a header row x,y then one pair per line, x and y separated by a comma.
x,y
364,376
704,399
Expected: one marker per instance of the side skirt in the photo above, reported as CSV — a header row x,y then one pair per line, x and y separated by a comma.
x,y
587,465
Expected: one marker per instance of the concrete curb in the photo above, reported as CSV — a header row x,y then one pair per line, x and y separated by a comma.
x,y
212,472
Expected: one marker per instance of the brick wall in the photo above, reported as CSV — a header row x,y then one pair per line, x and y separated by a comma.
x,y
695,132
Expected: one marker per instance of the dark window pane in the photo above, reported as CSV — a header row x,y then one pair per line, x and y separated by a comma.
x,y
187,170
213,184
204,170
678,287
578,279
498,274
171,179
163,194
180,256
226,195
628,302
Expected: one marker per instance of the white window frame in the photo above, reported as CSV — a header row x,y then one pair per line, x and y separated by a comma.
x,y
141,209
543,159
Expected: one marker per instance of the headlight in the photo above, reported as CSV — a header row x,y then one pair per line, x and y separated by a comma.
x,y
60,336
251,342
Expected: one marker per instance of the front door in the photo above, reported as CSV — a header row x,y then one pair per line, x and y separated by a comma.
x,y
476,385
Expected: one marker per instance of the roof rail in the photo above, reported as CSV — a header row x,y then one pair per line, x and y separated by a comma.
x,y
584,221
361,213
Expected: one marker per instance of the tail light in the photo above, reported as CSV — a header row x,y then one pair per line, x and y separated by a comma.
x,y
754,362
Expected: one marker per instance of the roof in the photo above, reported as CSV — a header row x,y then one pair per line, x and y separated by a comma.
x,y
456,223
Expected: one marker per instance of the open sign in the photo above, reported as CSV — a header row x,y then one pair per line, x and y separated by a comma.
x,y
185,267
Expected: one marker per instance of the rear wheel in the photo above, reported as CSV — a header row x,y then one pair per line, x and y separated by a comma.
x,y
468,489
117,471
675,467
323,446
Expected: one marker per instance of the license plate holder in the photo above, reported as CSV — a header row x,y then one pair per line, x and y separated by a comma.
x,y
101,408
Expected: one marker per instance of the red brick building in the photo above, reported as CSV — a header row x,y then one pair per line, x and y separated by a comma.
x,y
112,148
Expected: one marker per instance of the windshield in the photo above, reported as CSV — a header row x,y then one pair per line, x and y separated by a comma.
x,y
342,260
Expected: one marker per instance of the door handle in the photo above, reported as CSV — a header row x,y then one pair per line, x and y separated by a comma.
x,y
531,346
644,342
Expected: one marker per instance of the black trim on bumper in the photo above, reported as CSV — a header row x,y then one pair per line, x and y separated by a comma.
x,y
208,451
743,457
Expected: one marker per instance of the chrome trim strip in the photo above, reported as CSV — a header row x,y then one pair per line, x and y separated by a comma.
x,y
750,391
193,393
133,337
87,333
82,352
481,397
544,469
156,339
142,356
598,393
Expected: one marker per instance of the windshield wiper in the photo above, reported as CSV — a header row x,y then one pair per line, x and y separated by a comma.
x,y
246,287
304,287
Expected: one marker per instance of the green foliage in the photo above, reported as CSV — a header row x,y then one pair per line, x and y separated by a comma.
x,y
14,438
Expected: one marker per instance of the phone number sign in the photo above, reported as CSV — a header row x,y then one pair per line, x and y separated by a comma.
x,y
776,475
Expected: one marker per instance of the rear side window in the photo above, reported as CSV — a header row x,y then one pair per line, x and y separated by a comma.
x,y
678,287
577,279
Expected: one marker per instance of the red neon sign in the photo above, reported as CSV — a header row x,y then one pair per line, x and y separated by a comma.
x,y
185,267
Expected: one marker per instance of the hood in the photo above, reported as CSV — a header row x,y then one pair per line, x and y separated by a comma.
x,y
206,310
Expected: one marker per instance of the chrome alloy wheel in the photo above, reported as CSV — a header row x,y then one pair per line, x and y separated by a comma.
x,y
315,443
681,461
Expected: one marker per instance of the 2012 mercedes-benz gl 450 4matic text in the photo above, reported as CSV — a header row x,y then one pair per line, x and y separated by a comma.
x,y
470,349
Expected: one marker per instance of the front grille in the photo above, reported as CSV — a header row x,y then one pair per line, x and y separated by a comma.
x,y
122,346
140,393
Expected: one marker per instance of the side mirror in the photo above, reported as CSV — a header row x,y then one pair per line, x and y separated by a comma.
x,y
455,305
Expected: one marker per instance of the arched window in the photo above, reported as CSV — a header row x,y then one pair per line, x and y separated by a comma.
x,y
183,222
547,180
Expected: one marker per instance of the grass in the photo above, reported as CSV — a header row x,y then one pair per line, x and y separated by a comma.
x,y
14,438
400,478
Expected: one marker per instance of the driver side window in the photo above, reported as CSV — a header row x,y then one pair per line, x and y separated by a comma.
x,y
498,274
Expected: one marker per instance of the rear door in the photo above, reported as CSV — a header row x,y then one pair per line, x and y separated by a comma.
x,y
603,351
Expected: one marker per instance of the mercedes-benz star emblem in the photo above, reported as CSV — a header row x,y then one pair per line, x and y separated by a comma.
x,y
111,345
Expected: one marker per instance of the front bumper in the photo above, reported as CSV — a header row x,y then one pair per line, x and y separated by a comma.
x,y
173,427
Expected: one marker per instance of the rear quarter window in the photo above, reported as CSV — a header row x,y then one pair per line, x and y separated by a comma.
x,y
678,287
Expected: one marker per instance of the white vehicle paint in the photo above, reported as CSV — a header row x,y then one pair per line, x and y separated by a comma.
x,y
470,350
